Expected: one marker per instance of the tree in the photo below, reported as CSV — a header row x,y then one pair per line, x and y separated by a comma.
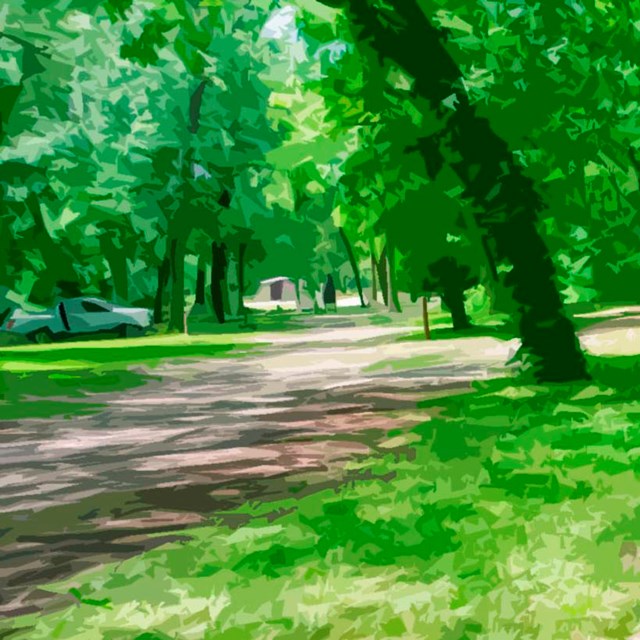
x,y
507,202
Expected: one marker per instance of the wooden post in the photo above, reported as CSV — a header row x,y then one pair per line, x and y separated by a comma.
x,y
425,319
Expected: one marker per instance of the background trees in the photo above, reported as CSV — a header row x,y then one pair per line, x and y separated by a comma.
x,y
169,152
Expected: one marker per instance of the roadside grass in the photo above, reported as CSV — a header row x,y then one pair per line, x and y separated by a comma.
x,y
444,331
498,325
511,513
66,378
64,356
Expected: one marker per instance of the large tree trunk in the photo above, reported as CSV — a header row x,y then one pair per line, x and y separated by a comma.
x,y
453,298
354,265
392,295
177,306
548,336
506,200
218,280
164,271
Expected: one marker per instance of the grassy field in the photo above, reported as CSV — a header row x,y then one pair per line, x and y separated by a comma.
x,y
510,513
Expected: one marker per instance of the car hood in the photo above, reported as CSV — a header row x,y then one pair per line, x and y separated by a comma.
x,y
143,316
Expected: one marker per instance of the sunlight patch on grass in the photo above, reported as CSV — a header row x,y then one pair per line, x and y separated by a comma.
x,y
25,366
87,355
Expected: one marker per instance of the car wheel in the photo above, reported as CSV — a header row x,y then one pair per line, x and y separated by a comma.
x,y
129,331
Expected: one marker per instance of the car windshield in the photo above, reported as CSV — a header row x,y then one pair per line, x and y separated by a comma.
x,y
93,306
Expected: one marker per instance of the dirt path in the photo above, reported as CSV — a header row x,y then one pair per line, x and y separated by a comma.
x,y
155,459
213,412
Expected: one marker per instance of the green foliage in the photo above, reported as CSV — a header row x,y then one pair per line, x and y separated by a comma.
x,y
126,122
563,100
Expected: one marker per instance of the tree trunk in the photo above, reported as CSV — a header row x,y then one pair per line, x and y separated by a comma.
x,y
117,261
381,269
491,260
548,336
200,283
242,250
453,298
500,299
392,295
374,280
425,318
7,240
506,200
218,280
226,298
59,272
354,265
177,306
162,281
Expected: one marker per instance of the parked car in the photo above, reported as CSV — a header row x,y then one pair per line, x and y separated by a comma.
x,y
78,316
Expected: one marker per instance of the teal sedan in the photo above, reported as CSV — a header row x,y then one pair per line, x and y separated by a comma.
x,y
78,316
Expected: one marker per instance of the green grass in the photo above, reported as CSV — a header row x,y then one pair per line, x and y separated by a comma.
x,y
446,332
61,379
496,325
510,513
101,352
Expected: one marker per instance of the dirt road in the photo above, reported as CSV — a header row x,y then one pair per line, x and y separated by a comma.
x,y
76,490
206,414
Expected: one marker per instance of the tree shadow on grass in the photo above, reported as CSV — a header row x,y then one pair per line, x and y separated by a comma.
x,y
507,418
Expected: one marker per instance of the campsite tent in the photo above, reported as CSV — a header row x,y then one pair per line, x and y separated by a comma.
x,y
281,293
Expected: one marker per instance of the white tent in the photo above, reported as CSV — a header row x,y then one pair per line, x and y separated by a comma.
x,y
280,292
